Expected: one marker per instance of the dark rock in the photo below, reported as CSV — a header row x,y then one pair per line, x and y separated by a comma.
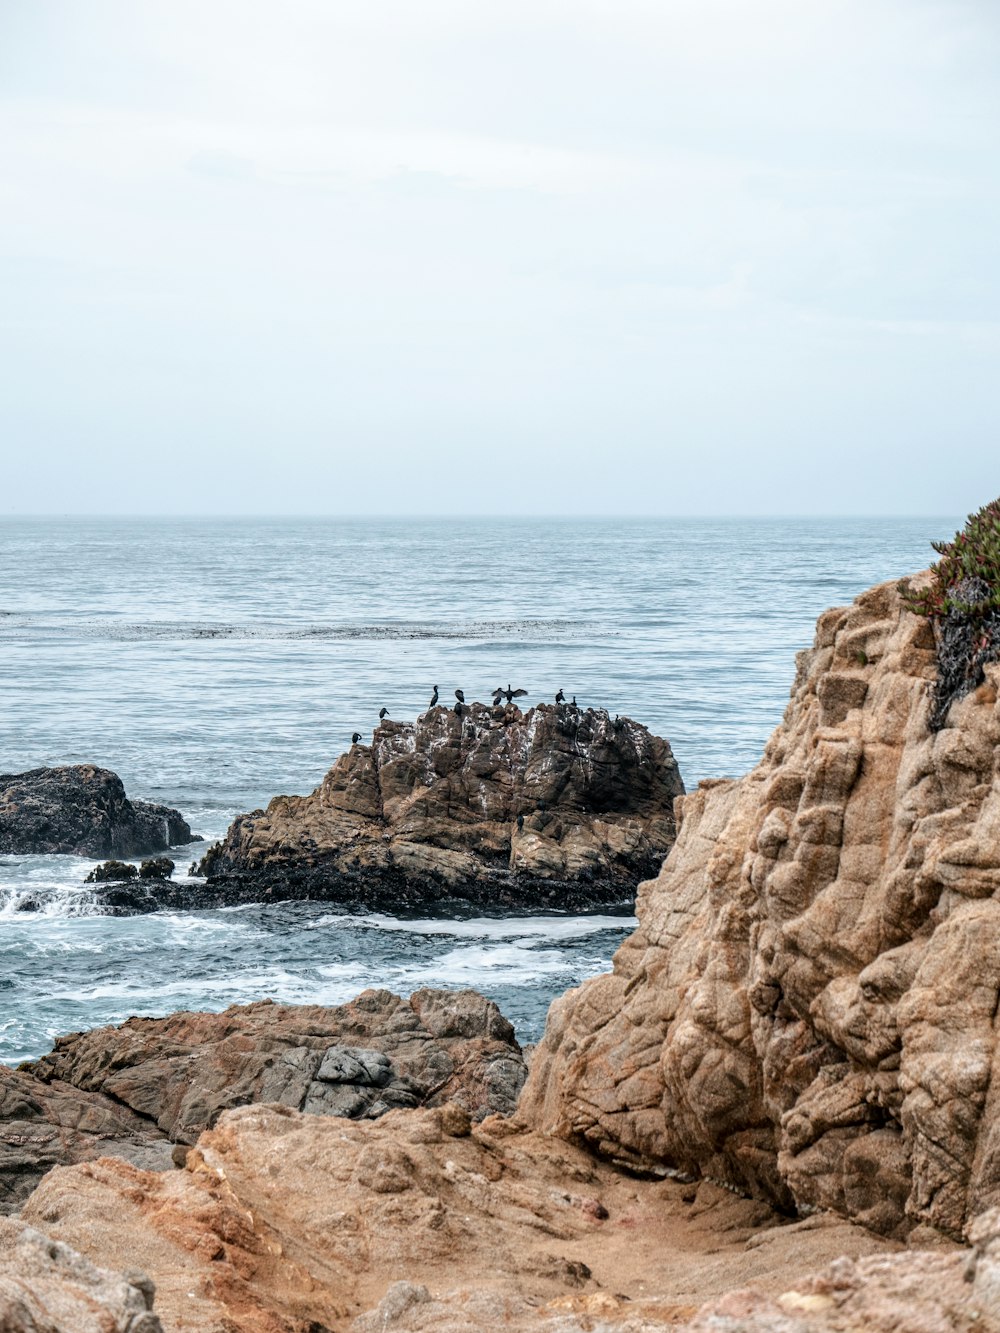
x,y
82,810
556,807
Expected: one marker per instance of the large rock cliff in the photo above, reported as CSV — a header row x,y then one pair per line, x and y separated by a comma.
x,y
808,1010
559,806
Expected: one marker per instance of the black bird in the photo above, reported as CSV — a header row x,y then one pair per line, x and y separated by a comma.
x,y
511,695
434,698
460,696
383,713
459,710
520,823
560,698
355,738
574,703
497,696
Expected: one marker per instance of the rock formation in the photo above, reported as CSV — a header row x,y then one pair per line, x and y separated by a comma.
x,y
558,806
132,1091
82,810
807,1011
46,1287
283,1223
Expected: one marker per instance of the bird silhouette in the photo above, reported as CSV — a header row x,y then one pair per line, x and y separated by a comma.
x,y
560,698
434,698
497,696
355,738
574,704
460,696
510,694
459,708
383,713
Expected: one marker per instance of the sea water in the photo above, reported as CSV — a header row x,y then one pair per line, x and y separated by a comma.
x,y
214,663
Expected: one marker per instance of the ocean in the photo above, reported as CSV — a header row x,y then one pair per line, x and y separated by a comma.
x,y
215,663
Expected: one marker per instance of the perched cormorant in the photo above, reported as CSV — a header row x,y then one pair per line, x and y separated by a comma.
x,y
460,696
574,704
459,710
560,698
434,698
383,713
510,694
520,823
497,696
355,738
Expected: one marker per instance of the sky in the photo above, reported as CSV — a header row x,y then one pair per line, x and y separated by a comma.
x,y
530,257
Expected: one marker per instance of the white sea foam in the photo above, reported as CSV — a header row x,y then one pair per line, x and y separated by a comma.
x,y
487,927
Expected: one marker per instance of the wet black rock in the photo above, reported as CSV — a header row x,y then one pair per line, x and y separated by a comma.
x,y
82,810
112,870
158,867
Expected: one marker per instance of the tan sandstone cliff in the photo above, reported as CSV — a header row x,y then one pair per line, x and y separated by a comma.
x,y
808,1009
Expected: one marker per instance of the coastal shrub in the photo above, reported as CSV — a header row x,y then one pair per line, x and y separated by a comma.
x,y
963,600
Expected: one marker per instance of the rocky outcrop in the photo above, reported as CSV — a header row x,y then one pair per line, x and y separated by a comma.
x,y
47,1287
135,1091
46,1124
808,1009
285,1223
558,806
82,810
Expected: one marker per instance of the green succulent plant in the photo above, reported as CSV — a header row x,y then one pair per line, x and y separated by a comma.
x,y
973,555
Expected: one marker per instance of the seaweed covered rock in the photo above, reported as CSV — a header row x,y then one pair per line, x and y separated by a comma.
x,y
558,806
82,810
808,1009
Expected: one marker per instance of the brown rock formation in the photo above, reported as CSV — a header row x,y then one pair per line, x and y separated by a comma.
x,y
52,1124
557,806
808,1008
358,1060
290,1223
83,810
46,1287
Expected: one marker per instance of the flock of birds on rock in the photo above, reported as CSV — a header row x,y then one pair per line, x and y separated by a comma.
x,y
498,694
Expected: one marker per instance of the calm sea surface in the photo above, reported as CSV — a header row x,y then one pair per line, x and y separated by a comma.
x,y
214,663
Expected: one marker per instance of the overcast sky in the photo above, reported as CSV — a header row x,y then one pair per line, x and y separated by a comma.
x,y
538,256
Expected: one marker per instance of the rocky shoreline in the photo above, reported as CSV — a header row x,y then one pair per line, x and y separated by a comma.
x,y
777,1113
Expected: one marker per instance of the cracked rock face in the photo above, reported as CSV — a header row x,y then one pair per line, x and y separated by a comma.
x,y
359,1060
558,806
808,1008
82,810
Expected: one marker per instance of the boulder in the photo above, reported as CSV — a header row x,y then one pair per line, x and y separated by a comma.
x,y
555,807
47,1287
82,810
807,1011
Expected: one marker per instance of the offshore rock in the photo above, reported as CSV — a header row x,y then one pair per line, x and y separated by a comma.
x,y
807,1011
357,1060
82,810
558,806
47,1287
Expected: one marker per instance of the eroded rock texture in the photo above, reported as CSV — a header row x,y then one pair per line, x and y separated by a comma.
x,y
808,1008
47,1287
82,810
357,1060
559,806
290,1223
